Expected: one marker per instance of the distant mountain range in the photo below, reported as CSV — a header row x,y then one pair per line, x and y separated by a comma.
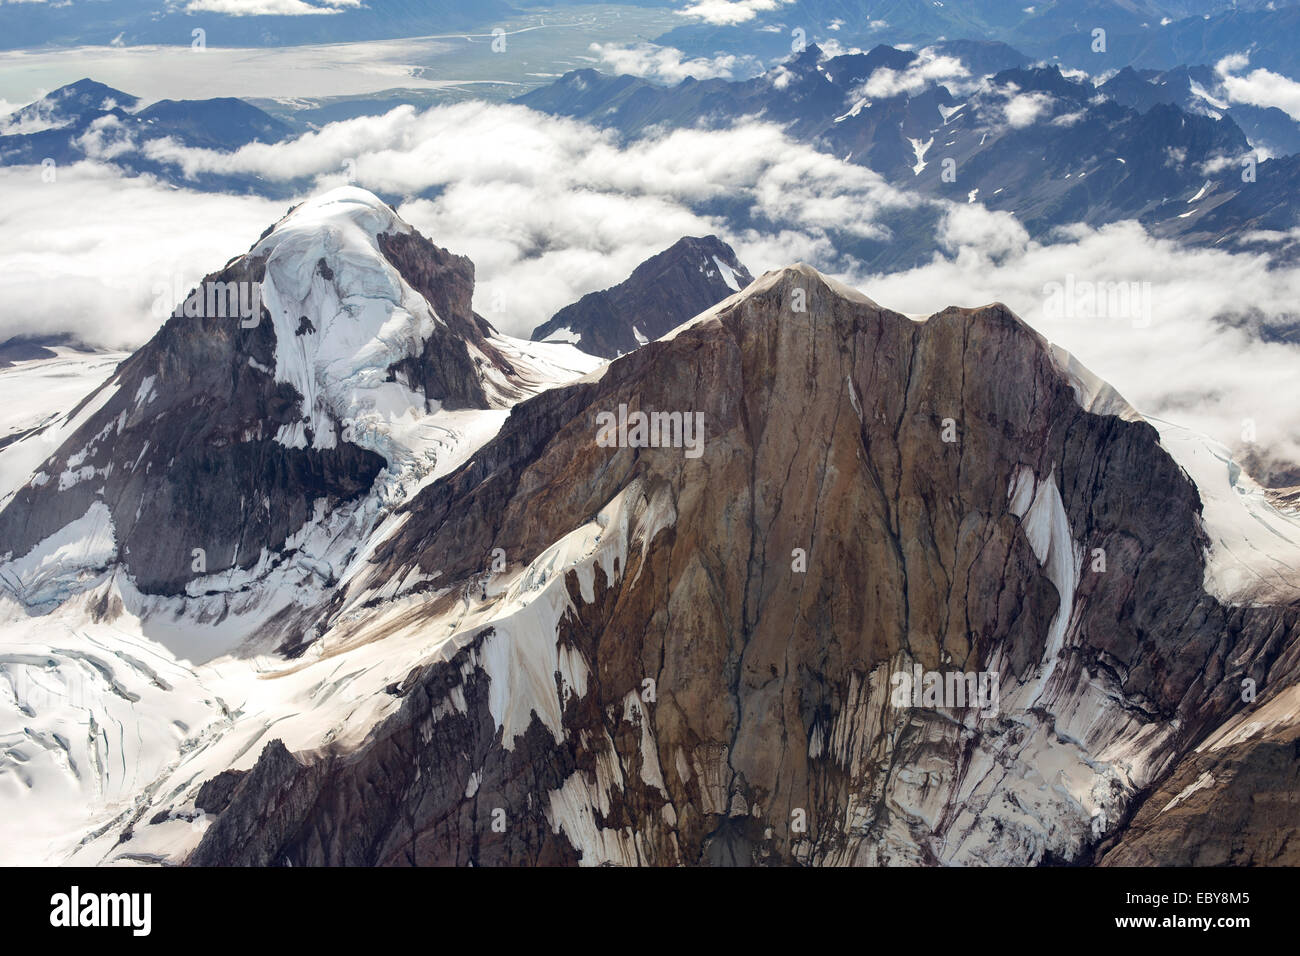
x,y
89,120
1051,148
1153,34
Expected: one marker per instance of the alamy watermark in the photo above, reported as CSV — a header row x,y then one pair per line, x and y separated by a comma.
x,y
950,690
640,429
129,910
1085,299
213,300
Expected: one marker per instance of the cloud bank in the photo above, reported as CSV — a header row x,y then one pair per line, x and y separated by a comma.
x,y
550,209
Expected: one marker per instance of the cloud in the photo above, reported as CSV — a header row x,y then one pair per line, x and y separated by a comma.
x,y
549,209
1259,87
85,252
266,8
553,209
669,65
1025,109
927,69
730,12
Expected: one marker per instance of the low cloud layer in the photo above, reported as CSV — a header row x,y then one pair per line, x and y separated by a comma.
x,y
1259,87
665,64
550,209
89,252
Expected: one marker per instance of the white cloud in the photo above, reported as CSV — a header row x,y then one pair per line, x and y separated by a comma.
x,y
1259,87
554,208
667,64
1232,63
1025,109
925,70
265,8
730,12
84,253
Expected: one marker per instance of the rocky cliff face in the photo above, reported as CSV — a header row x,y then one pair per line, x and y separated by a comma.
x,y
661,293
633,653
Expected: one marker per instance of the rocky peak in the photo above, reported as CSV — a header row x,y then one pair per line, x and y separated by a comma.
x,y
667,289
264,402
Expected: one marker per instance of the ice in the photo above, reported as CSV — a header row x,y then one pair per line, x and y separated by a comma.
x,y
90,715
366,317
47,575
728,274
854,111
41,393
1043,519
1093,393
1254,552
564,335
948,112
920,149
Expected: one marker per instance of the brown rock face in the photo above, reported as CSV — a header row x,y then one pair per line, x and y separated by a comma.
x,y
718,684
1235,807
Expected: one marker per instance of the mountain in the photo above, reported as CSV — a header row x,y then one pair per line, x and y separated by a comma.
x,y
221,123
1264,30
88,120
266,403
1157,34
70,105
661,293
24,348
1050,148
456,611
1199,89
657,679
802,581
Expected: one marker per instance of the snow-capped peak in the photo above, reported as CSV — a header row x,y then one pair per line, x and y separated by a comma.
x,y
343,315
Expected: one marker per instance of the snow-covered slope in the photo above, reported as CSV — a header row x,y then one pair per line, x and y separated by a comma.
x,y
36,399
1254,551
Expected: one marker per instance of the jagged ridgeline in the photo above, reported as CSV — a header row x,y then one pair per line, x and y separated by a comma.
x,y
800,580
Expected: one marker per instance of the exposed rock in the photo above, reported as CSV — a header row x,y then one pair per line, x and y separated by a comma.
x,y
661,293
